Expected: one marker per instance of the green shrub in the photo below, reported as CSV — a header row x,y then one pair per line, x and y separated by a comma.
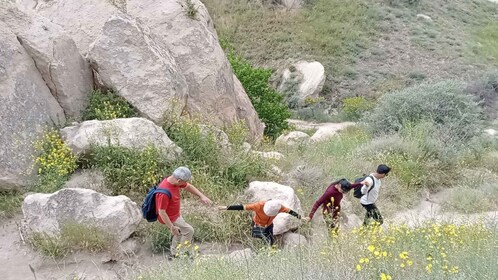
x,y
485,91
449,118
267,102
355,107
107,106
130,171
54,163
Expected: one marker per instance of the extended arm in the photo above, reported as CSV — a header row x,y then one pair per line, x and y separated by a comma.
x,y
193,190
325,197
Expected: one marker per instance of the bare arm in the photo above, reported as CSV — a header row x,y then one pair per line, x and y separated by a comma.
x,y
193,190
174,229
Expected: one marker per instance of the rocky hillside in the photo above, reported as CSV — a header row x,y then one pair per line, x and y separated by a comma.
x,y
160,56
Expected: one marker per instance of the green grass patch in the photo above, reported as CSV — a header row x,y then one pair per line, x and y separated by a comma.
x,y
72,237
10,204
332,32
487,37
108,106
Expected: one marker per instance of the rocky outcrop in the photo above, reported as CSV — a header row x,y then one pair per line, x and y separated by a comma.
x,y
292,239
48,213
63,69
302,81
185,28
26,106
82,19
127,58
247,112
269,190
137,133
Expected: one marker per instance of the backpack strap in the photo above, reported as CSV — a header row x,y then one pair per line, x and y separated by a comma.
x,y
163,191
373,184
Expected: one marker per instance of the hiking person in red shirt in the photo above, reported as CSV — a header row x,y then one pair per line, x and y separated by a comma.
x,y
168,208
331,201
264,214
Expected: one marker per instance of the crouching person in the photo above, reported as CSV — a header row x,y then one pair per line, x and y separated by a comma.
x,y
264,214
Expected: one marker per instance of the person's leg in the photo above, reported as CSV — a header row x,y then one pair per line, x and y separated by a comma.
x,y
269,235
368,214
185,237
375,213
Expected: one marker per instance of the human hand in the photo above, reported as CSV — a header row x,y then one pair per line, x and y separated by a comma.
x,y
305,219
206,200
175,230
221,207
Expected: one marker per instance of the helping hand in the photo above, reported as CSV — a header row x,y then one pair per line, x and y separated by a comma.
x,y
206,200
305,219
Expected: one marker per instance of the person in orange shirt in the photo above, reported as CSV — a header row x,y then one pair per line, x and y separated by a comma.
x,y
264,214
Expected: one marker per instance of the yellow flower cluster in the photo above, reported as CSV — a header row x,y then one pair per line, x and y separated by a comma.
x,y
54,157
399,249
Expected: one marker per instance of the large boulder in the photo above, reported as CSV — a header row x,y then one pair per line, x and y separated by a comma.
x,y
137,133
127,58
247,112
187,31
82,19
48,213
68,76
270,190
302,81
26,106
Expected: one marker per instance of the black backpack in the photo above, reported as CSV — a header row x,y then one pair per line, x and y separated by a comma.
x,y
149,205
357,191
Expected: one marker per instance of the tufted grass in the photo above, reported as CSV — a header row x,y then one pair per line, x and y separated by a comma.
x,y
73,237
10,204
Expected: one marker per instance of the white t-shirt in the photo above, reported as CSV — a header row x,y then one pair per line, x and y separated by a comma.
x,y
373,194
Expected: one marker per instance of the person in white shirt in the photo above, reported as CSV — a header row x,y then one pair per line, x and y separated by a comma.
x,y
370,191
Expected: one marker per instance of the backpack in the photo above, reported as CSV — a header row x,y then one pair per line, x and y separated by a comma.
x,y
149,205
357,191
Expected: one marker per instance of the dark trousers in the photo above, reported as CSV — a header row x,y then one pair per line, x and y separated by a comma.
x,y
372,213
265,233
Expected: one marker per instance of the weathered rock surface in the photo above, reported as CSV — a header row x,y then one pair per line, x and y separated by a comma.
x,y
304,81
135,133
82,19
63,69
269,190
26,106
127,58
48,213
194,45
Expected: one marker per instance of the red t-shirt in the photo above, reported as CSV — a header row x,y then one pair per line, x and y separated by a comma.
x,y
170,205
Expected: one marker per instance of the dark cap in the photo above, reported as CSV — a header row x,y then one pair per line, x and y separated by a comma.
x,y
383,169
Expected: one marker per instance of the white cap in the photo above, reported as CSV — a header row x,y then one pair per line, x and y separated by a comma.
x,y
272,207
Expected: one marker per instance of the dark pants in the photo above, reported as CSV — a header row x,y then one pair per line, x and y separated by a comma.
x,y
372,213
265,233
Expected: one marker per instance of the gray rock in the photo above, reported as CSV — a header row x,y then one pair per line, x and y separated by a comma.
x,y
269,190
194,45
291,240
88,179
116,215
305,81
63,69
26,106
82,19
127,58
135,133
